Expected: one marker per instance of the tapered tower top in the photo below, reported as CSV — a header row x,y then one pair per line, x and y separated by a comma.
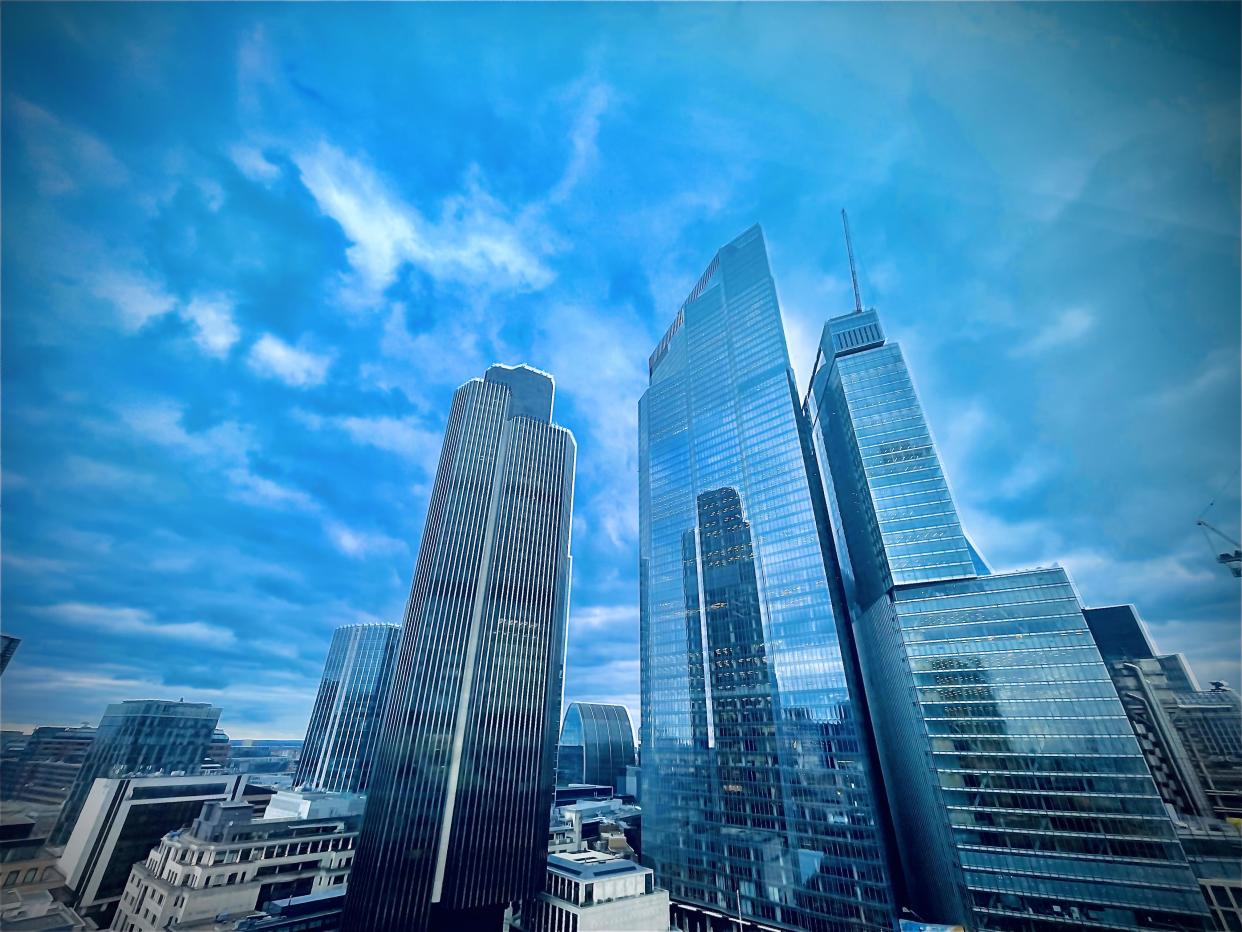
x,y
531,390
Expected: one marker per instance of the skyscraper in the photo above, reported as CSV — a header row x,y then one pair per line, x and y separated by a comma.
x,y
8,647
140,736
459,795
1020,797
758,790
597,744
336,755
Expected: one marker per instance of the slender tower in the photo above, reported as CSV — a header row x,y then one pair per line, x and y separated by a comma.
x,y
759,796
336,755
458,801
1020,798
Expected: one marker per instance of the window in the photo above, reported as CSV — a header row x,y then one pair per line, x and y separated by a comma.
x,y
11,879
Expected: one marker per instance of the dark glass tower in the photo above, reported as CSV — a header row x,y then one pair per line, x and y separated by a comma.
x,y
141,736
336,755
1020,797
757,787
597,744
457,808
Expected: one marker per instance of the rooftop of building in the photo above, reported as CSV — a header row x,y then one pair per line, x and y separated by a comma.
x,y
592,865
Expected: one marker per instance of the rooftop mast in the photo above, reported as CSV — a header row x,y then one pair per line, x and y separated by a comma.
x,y
849,247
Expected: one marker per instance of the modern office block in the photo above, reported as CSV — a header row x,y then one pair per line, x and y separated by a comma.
x,y
8,647
758,789
314,912
1214,849
140,736
336,755
1020,797
120,821
596,746
45,768
227,864
590,891
1191,737
459,795
1119,633
1210,724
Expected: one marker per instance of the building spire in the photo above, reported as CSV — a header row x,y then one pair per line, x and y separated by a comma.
x,y
849,248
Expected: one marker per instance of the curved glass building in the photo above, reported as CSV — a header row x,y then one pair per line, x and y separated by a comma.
x,y
456,825
336,755
758,788
597,744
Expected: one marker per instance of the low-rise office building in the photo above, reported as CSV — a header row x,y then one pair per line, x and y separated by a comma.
x,y
121,819
590,891
229,864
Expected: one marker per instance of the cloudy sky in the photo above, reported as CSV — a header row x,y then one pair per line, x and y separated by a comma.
x,y
249,252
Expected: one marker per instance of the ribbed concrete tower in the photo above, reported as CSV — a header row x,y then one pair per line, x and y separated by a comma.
x,y
457,809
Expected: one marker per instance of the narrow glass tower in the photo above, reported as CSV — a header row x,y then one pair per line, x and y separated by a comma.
x,y
336,755
758,791
1020,797
462,782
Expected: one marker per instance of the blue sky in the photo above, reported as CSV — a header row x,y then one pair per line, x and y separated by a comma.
x,y
249,252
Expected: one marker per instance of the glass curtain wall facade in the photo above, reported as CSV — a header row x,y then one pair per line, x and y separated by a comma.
x,y
757,785
140,736
462,783
1020,797
597,745
336,755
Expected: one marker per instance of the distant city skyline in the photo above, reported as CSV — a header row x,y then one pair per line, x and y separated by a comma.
x,y
234,315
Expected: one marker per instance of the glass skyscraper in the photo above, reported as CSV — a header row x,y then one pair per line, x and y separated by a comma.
x,y
336,755
758,790
141,736
456,824
597,744
1020,797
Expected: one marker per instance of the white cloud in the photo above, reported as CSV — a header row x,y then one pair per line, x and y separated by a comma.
x,y
83,471
356,543
136,299
212,319
273,358
64,157
260,491
251,162
403,436
227,442
134,621
596,617
584,152
1067,328
40,566
598,357
472,241
1218,371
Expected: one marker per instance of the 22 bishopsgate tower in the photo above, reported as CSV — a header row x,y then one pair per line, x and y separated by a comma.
x,y
459,795
843,708
759,796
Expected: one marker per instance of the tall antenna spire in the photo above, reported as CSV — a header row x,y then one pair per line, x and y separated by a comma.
x,y
849,247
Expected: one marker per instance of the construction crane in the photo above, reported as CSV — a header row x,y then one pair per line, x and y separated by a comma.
x,y
1232,560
